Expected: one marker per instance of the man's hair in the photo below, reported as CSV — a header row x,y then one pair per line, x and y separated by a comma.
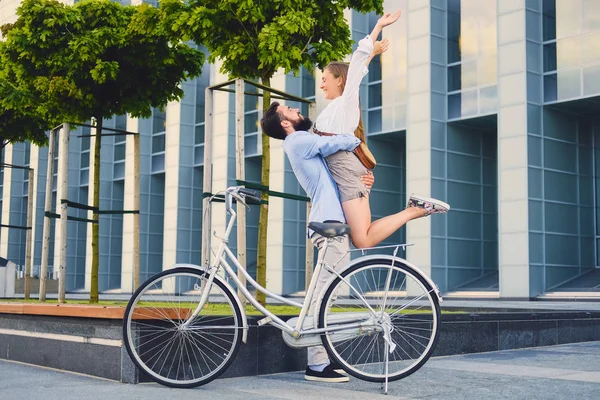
x,y
271,123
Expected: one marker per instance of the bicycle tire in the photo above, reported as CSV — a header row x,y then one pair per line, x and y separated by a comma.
x,y
140,338
342,347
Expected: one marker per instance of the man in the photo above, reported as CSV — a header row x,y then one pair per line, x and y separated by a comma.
x,y
306,153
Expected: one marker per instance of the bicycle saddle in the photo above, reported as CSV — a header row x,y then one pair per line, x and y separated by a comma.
x,y
329,229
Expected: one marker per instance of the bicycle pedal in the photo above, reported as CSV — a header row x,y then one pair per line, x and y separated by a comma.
x,y
264,321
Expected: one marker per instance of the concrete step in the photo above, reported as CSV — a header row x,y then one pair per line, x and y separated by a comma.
x,y
90,341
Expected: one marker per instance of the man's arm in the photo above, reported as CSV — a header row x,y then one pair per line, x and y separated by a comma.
x,y
309,146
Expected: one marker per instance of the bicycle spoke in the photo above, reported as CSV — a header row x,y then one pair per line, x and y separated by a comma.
x,y
158,345
170,353
399,299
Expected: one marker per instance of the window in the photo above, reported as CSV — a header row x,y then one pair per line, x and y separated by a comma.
x,y
571,32
472,58
159,128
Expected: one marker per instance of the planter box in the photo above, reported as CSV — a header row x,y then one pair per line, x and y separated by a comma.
x,y
88,339
51,286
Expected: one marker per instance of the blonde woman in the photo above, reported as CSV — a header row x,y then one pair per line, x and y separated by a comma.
x,y
341,84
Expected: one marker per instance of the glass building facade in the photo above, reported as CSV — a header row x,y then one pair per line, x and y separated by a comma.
x,y
490,105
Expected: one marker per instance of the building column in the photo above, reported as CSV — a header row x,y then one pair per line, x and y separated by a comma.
x,y
418,127
128,228
127,254
6,200
275,236
534,125
172,166
34,163
221,154
513,223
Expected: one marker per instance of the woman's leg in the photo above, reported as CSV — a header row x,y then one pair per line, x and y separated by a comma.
x,y
365,233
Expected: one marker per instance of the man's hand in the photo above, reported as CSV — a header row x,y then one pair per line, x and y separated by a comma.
x,y
368,180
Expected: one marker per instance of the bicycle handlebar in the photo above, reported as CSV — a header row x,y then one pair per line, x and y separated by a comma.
x,y
238,193
251,196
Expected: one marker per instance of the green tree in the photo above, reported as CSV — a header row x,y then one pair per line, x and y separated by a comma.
x,y
17,127
254,39
96,59
17,124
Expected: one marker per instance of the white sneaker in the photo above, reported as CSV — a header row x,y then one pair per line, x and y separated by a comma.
x,y
433,206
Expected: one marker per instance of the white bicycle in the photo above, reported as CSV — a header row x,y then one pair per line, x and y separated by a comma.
x,y
379,316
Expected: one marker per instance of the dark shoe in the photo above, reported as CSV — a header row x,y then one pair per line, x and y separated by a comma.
x,y
327,375
337,368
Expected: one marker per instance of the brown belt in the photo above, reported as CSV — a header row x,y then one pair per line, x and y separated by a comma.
x,y
362,151
318,132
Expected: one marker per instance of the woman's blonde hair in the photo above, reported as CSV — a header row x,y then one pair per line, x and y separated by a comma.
x,y
340,69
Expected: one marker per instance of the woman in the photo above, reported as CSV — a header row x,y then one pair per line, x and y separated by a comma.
x,y
341,84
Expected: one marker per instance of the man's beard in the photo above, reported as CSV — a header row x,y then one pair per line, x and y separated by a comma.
x,y
302,125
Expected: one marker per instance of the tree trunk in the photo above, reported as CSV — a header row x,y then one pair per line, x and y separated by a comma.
x,y
136,217
63,223
96,204
263,219
28,235
47,221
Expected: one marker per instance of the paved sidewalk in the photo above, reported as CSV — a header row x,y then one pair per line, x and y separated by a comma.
x,y
559,372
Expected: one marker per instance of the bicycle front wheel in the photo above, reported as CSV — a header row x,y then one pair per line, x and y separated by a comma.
x,y
163,346
399,326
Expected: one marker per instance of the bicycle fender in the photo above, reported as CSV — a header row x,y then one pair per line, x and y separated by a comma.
x,y
235,296
397,260
416,269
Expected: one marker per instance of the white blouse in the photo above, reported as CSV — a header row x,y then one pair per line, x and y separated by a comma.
x,y
342,114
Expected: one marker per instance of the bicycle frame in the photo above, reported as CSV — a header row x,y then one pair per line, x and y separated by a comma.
x,y
344,327
221,261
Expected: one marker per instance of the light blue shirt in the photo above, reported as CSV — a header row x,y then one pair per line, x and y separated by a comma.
x,y
305,152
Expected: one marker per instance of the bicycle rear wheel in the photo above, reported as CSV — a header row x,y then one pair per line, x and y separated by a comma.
x,y
408,313
169,353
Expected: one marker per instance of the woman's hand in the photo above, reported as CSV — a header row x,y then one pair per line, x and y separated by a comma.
x,y
368,180
380,47
389,18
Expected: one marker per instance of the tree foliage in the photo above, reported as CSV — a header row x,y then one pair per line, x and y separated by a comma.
x,y
255,38
18,127
96,59
17,124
